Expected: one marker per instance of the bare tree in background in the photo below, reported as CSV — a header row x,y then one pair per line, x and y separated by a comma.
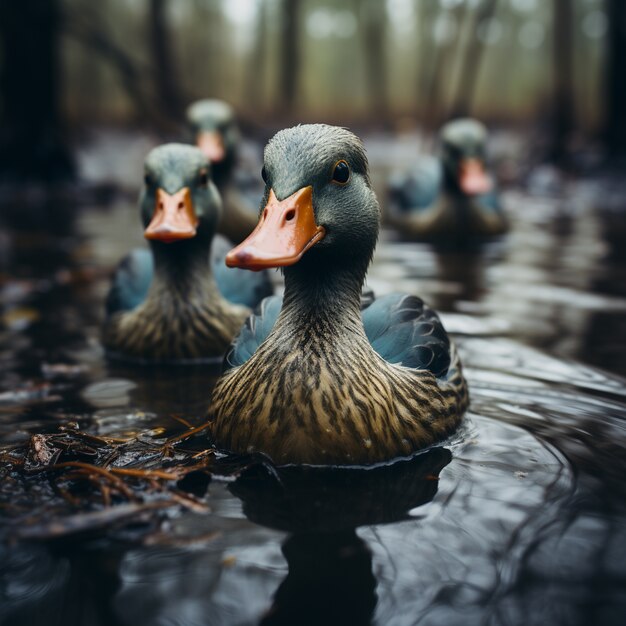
x,y
256,65
563,103
167,88
290,54
426,11
86,28
32,142
151,86
472,62
440,70
375,19
615,80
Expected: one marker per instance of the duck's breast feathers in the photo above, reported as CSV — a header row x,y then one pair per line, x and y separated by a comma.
x,y
418,188
254,332
131,282
404,331
236,285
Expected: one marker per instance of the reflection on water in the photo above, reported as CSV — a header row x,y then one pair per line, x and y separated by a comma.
x,y
519,519
330,581
317,499
330,578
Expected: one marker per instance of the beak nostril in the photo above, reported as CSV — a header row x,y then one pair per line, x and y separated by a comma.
x,y
265,214
290,215
161,206
180,205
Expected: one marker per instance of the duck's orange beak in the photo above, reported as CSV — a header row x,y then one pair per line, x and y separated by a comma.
x,y
473,178
174,218
212,145
286,230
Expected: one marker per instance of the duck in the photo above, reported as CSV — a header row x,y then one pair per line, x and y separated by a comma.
x,y
312,378
212,126
177,301
450,198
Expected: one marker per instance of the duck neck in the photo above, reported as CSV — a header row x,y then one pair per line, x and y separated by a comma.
x,y
451,182
323,295
183,268
222,171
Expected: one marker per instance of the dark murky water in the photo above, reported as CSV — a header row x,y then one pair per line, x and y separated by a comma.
x,y
519,519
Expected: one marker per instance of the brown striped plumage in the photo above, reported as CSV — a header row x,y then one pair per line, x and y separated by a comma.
x,y
315,391
318,393
177,321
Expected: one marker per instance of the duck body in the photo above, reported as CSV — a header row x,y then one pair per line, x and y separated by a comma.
x,y
373,389
451,197
314,379
165,304
213,128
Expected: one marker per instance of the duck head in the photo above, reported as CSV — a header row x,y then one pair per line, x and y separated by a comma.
x,y
318,209
462,145
179,201
214,131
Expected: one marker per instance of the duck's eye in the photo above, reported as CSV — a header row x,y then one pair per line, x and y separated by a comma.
x,y
341,173
147,178
203,178
264,174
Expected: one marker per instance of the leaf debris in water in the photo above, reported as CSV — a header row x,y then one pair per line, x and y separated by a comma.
x,y
71,481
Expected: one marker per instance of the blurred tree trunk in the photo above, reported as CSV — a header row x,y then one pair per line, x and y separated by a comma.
x,y
563,104
375,18
290,54
85,27
443,53
32,142
426,14
472,63
256,64
166,86
615,81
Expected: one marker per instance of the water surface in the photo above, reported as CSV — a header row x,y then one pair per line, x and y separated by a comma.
x,y
520,518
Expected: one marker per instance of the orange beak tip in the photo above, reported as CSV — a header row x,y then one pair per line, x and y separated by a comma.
x,y
232,261
244,259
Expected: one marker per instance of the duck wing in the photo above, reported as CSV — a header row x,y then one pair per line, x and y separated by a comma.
x,y
405,331
237,285
254,332
401,329
131,281
491,200
416,189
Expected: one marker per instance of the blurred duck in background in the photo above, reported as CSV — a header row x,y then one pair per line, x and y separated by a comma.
x,y
214,130
450,200
178,302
